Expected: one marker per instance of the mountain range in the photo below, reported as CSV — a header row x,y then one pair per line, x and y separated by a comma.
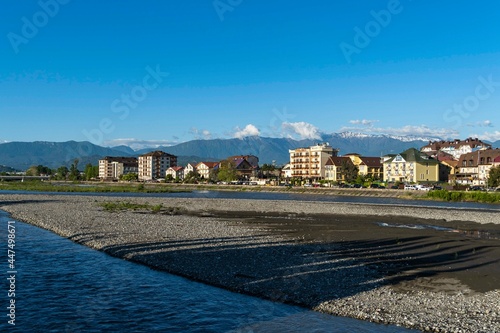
x,y
22,155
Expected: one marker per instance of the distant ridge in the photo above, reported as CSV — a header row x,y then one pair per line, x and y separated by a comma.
x,y
22,155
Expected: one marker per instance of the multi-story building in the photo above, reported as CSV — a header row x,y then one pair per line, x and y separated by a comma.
x,y
190,167
455,148
111,168
204,169
177,172
411,166
335,168
153,165
310,162
474,168
367,166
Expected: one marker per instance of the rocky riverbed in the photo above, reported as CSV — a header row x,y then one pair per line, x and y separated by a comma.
x,y
430,269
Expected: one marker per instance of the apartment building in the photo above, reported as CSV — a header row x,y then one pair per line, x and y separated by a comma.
x,y
455,148
154,165
111,168
474,168
310,162
411,166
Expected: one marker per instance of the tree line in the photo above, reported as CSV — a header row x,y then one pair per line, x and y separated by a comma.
x,y
72,173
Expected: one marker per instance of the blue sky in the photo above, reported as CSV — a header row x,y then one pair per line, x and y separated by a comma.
x,y
162,72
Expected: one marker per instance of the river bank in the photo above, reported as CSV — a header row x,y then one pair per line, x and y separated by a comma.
x,y
430,269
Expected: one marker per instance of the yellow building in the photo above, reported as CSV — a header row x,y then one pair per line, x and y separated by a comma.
x,y
411,166
367,166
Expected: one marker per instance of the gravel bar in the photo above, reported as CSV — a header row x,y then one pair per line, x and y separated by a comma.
x,y
331,257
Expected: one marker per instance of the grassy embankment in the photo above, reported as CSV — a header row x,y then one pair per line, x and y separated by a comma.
x,y
39,186
458,196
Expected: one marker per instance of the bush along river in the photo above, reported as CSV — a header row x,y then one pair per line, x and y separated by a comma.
x,y
51,284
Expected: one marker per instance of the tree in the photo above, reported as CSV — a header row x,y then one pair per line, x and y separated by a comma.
x,y
43,170
266,169
349,171
74,174
227,171
38,170
129,177
32,171
192,177
494,177
91,172
62,172
169,178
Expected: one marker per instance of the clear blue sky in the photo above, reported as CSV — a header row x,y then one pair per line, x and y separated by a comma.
x,y
96,70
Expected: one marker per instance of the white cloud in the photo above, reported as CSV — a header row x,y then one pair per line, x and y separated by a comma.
x,y
489,136
301,129
137,144
485,123
249,130
364,122
408,130
200,134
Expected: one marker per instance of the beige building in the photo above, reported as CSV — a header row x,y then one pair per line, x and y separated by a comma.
x,y
204,169
474,168
111,168
411,166
310,162
189,168
177,172
154,165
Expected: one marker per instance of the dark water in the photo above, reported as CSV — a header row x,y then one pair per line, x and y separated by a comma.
x,y
288,196
61,286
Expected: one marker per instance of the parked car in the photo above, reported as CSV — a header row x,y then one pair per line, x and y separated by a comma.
x,y
374,186
476,188
422,188
410,187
